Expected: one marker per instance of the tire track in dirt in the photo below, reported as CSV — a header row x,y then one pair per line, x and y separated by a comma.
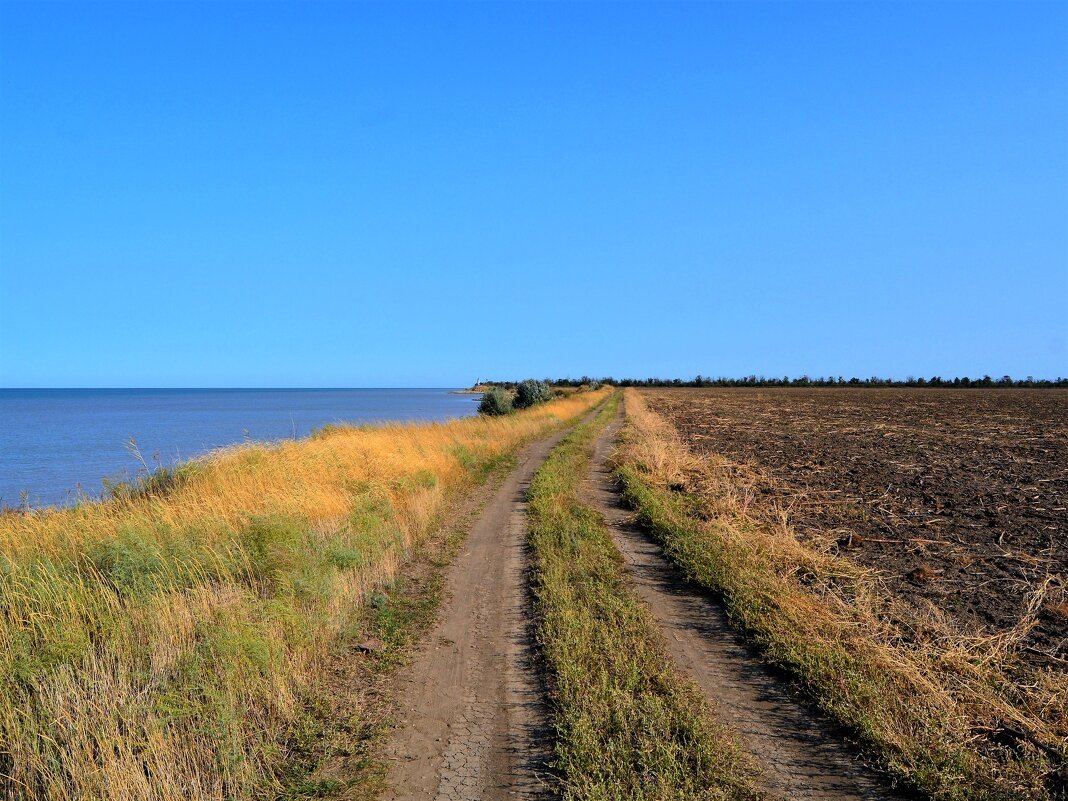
x,y
803,755
472,719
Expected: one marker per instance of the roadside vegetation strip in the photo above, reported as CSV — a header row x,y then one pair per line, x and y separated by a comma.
x,y
628,725
159,644
943,714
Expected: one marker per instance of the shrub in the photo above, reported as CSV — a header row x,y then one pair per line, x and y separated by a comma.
x,y
131,562
496,401
531,393
276,552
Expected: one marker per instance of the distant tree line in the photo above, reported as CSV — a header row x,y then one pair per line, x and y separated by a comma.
x,y
964,382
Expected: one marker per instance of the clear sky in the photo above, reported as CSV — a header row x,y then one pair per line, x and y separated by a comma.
x,y
343,194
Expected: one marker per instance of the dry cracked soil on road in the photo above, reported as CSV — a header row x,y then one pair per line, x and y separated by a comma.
x,y
473,722
472,718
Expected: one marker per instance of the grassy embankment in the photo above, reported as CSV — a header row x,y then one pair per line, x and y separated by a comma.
x,y
628,726
161,644
945,711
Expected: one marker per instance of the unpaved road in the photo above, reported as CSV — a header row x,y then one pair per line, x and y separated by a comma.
x,y
472,724
802,754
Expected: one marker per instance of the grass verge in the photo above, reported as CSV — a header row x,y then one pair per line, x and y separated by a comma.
x,y
943,713
163,644
628,725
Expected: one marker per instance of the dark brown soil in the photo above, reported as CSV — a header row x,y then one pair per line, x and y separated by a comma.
x,y
799,752
957,497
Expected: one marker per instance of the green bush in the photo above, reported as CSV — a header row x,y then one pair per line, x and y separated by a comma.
x,y
495,402
531,393
131,562
275,548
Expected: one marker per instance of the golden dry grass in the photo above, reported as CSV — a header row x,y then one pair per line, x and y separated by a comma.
x,y
959,716
158,645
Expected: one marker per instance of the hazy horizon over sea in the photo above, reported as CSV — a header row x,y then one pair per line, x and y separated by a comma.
x,y
57,444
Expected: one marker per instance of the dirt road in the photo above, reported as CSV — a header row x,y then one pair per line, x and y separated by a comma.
x,y
472,723
802,754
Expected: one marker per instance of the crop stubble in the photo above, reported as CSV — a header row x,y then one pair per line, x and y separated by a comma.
x,y
957,498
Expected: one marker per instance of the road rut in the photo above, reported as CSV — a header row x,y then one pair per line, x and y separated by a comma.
x,y
473,724
802,754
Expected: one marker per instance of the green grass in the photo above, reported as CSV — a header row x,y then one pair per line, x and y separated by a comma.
x,y
628,725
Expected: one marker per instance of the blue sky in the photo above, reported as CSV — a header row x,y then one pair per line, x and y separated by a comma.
x,y
342,194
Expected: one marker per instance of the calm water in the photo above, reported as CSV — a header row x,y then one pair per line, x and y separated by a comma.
x,y
54,441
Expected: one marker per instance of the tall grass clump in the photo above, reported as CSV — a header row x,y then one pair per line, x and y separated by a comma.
x,y
628,726
959,716
160,644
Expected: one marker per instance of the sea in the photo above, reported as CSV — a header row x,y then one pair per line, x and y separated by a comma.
x,y
60,445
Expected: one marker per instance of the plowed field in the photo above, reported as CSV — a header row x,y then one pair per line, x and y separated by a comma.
x,y
956,497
